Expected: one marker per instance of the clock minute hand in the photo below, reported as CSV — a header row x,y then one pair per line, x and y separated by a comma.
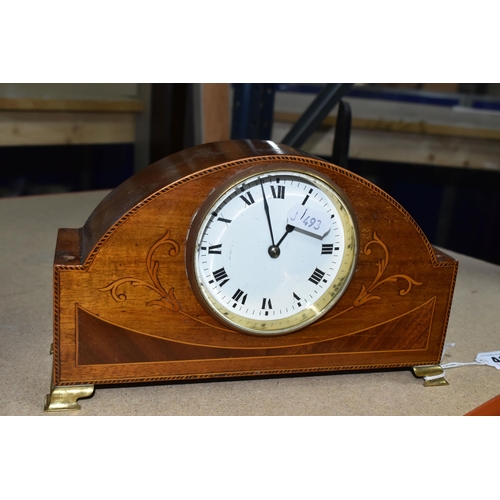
x,y
309,220
266,209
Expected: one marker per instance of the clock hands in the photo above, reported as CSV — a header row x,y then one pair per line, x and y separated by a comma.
x,y
288,230
249,272
310,221
273,250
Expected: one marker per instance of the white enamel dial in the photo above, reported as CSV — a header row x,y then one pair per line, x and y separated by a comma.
x,y
274,251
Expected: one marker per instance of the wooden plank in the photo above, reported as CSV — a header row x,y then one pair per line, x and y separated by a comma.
x,y
429,150
395,111
73,105
39,128
402,147
215,102
95,91
421,127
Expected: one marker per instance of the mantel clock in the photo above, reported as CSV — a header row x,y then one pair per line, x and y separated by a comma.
x,y
238,259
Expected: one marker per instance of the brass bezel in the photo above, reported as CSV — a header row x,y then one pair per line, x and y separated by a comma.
x,y
316,310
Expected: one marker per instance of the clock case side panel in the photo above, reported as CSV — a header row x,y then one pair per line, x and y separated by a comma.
x,y
443,260
66,259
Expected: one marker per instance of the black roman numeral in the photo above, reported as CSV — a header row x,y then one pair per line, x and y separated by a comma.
x,y
239,295
266,304
215,214
215,249
316,276
221,276
249,201
279,192
326,249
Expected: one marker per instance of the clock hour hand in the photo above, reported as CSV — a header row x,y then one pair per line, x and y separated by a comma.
x,y
289,228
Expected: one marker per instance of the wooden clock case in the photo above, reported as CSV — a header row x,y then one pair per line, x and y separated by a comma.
x,y
125,312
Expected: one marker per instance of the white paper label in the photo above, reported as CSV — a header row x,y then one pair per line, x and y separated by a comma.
x,y
309,220
489,358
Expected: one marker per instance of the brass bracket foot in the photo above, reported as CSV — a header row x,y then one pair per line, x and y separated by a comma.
x,y
64,398
433,375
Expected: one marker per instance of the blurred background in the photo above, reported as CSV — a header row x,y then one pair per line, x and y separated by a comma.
x,y
434,147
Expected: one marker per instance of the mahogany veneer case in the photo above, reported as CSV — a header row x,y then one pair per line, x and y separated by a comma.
x,y
125,311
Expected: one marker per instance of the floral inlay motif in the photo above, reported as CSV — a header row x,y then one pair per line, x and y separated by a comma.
x,y
365,294
167,299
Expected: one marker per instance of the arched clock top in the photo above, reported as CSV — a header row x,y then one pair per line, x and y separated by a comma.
x,y
189,165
